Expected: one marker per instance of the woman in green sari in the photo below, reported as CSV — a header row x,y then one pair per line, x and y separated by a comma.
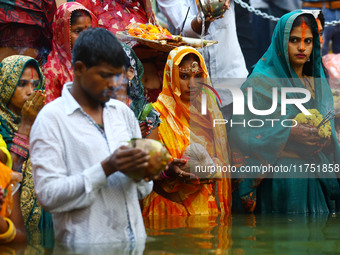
x,y
147,116
21,85
292,61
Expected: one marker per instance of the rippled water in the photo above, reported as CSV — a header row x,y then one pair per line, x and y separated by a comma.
x,y
237,235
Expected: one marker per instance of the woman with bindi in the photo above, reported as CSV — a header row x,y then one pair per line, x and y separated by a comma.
x,y
292,61
191,140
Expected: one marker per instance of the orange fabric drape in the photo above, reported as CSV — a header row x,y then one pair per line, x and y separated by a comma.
x,y
183,123
5,179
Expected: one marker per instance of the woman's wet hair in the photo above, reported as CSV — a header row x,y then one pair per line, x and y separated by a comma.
x,y
35,65
309,21
322,19
30,64
77,14
97,45
190,56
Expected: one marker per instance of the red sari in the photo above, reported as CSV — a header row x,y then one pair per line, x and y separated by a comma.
x,y
116,15
58,69
30,12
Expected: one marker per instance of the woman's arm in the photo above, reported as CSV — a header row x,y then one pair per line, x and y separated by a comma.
x,y
154,134
3,157
17,220
308,135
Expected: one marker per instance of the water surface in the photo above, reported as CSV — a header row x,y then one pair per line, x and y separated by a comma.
x,y
238,235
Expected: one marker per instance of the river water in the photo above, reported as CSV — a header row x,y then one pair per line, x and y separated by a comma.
x,y
238,235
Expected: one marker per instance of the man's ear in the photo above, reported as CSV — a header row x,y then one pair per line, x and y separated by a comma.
x,y
79,68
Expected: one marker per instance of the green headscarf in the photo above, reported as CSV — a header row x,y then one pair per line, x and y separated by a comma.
x,y
274,71
11,69
264,145
139,105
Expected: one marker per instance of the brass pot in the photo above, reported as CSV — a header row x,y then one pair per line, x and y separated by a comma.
x,y
213,8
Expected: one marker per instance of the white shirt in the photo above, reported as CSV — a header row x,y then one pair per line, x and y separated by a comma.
x,y
66,150
288,5
225,59
259,4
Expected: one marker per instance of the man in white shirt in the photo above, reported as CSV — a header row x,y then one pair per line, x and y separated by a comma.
x,y
80,168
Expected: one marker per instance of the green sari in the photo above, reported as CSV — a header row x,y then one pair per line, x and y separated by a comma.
x,y
267,144
35,218
139,105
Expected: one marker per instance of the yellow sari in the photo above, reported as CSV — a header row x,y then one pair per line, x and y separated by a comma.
x,y
176,132
6,178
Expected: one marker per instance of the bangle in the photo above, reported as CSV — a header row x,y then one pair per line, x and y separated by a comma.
x,y
163,175
19,151
21,143
21,140
23,137
9,235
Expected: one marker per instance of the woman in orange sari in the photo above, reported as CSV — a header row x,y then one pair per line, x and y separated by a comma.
x,y
179,104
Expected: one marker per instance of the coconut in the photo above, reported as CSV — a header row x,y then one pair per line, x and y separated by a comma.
x,y
159,157
199,161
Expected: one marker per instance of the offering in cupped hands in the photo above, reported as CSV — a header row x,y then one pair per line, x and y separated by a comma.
x,y
199,162
159,157
317,120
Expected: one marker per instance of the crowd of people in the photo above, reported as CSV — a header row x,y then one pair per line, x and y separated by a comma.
x,y
69,107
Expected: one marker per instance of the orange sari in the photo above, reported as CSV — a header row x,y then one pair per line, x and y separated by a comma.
x,y
183,123
5,179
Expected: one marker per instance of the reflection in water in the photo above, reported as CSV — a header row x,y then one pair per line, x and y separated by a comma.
x,y
237,235
188,234
286,234
102,249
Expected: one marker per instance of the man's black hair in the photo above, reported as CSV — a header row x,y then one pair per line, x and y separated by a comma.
x,y
97,45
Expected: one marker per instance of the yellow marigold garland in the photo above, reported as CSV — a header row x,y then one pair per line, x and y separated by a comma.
x,y
149,31
324,131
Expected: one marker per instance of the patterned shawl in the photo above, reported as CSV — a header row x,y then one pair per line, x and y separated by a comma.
x,y
183,124
58,69
116,15
11,69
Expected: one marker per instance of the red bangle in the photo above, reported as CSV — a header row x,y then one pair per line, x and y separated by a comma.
x,y
23,137
21,143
